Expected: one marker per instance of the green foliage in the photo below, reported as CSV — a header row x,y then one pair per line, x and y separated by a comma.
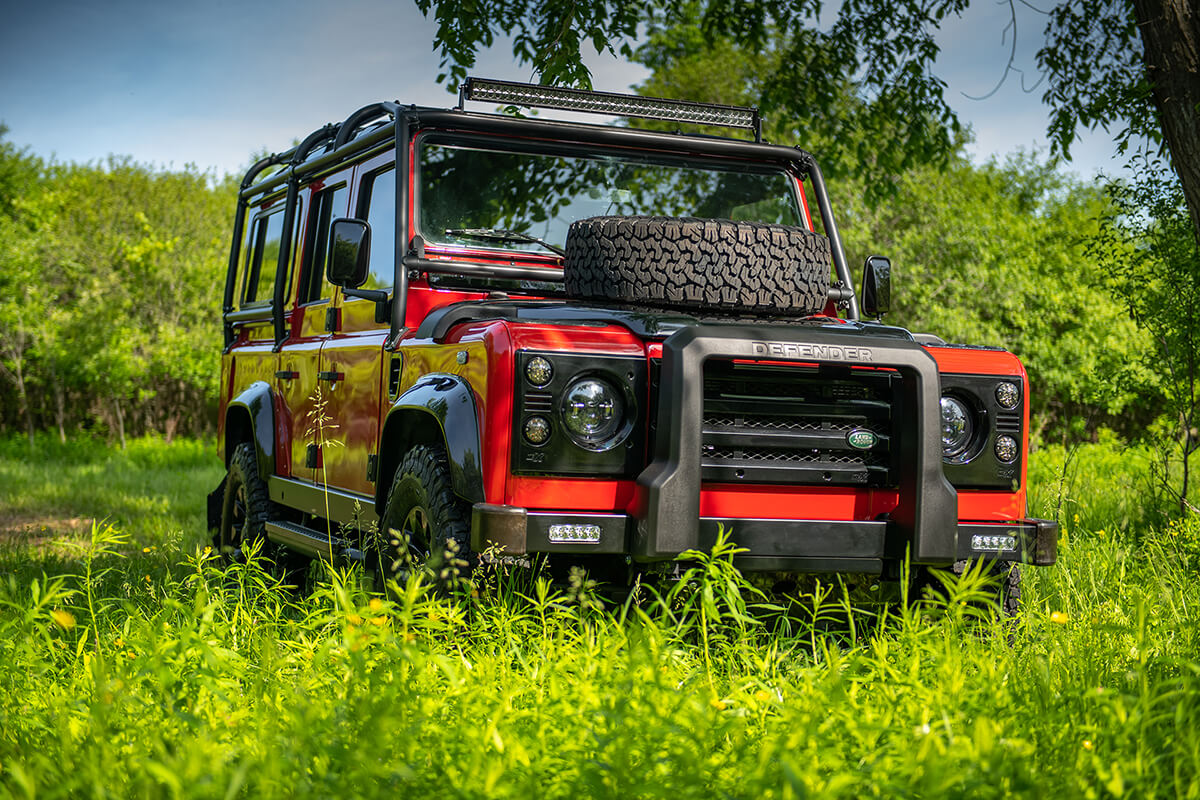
x,y
110,296
1096,74
1154,259
998,255
193,678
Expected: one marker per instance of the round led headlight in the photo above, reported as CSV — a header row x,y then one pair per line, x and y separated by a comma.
x,y
1006,449
537,430
592,412
538,371
1008,395
956,427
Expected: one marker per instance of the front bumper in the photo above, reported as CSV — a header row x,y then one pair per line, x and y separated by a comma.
x,y
774,545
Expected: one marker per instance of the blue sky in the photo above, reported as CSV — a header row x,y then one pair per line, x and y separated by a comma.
x,y
210,83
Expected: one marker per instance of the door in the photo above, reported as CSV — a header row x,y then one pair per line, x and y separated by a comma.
x,y
304,397
353,356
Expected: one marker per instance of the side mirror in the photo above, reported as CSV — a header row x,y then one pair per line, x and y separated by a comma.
x,y
877,286
349,253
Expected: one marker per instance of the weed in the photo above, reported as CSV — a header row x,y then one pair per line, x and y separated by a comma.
x,y
184,675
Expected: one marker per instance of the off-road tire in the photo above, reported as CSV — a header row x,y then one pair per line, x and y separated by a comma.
x,y
689,263
1005,602
247,505
424,524
1008,587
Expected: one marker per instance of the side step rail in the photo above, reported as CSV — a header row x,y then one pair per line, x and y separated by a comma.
x,y
312,543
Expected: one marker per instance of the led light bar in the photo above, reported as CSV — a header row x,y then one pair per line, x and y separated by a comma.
x,y
575,534
997,544
612,104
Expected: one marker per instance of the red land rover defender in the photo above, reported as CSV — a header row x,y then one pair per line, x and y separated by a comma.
x,y
605,342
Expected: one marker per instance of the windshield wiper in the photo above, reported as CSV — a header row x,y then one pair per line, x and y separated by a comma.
x,y
500,235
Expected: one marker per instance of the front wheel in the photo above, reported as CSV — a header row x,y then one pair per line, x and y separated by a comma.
x,y
1003,597
424,526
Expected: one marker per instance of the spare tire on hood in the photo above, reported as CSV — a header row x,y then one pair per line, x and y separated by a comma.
x,y
682,262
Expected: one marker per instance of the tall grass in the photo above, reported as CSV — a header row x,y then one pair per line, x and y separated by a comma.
x,y
153,669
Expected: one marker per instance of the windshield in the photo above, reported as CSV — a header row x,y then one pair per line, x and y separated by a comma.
x,y
505,199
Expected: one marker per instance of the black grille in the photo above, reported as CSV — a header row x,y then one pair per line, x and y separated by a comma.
x,y
1008,423
538,403
768,424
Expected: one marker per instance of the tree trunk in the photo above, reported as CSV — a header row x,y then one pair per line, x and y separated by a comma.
x,y
60,414
120,421
1171,49
25,409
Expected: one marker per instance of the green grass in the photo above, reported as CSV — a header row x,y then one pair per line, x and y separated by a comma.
x,y
142,667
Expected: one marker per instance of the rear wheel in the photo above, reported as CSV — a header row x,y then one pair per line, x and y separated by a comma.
x,y
246,507
424,526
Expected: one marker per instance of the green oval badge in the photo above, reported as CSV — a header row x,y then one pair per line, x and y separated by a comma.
x,y
861,439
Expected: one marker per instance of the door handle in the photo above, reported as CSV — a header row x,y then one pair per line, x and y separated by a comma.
x,y
287,375
332,377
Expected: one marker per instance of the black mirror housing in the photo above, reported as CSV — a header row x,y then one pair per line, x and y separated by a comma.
x,y
877,286
349,253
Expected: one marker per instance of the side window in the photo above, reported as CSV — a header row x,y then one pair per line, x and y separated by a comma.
x,y
378,207
327,206
262,259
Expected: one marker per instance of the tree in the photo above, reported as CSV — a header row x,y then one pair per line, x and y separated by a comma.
x,y
20,173
1109,62
1147,243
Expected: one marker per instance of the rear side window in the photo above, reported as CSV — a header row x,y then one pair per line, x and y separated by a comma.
x,y
378,208
262,258
327,206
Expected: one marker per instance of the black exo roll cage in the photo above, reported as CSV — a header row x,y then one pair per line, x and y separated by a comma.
x,y
372,125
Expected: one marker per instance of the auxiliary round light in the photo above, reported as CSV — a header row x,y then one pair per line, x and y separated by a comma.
x,y
537,430
592,411
957,427
538,371
1008,395
1006,449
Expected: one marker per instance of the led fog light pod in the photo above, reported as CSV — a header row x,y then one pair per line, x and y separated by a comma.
x,y
1008,395
537,430
1006,449
539,371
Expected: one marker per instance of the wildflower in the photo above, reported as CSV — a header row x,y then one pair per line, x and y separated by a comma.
x,y
762,695
119,643
64,619
147,579
375,604
380,620
145,549
354,619
1087,744
718,704
1060,617
207,551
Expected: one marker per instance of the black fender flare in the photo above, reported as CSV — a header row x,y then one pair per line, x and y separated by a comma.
x,y
251,417
438,409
